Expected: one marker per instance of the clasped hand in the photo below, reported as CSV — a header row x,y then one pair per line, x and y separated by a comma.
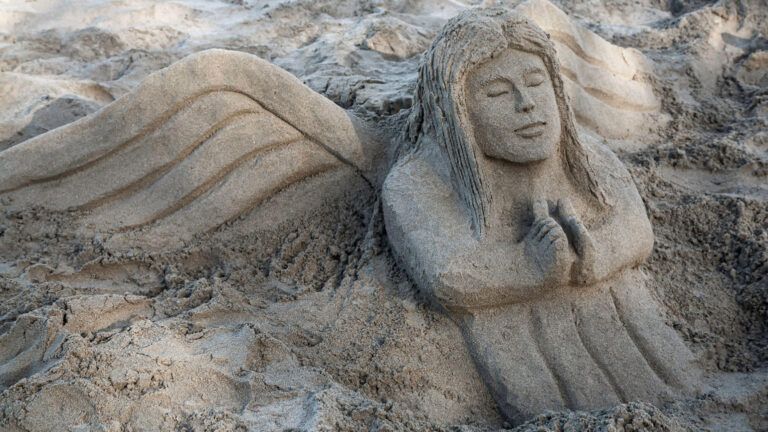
x,y
554,238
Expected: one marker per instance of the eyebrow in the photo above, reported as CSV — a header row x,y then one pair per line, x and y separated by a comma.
x,y
493,79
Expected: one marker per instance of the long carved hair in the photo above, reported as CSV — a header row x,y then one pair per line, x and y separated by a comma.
x,y
439,110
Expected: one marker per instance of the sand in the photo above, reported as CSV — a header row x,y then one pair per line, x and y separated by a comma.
x,y
312,325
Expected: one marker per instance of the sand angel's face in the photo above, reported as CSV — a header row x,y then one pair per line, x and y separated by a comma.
x,y
513,109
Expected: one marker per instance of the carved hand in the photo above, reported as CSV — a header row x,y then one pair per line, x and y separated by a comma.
x,y
547,243
583,271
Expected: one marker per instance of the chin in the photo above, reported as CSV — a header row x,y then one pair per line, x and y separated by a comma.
x,y
532,153
529,159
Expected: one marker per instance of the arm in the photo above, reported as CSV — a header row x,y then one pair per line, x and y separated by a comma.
x,y
626,240
434,241
623,239
493,274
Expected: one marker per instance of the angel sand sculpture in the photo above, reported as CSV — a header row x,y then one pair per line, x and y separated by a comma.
x,y
524,232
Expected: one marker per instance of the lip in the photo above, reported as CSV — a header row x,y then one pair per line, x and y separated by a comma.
x,y
531,130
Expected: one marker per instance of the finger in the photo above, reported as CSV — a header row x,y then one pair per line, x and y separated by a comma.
x,y
563,246
586,246
556,235
565,209
542,232
560,244
569,217
535,229
576,231
549,223
540,209
572,224
582,239
557,243
538,226
547,226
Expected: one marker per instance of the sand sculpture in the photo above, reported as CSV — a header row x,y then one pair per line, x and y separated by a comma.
x,y
526,234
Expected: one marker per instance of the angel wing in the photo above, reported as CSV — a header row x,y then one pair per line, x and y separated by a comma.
x,y
195,145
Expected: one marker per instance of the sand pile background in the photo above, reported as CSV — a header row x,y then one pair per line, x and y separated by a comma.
x,y
313,326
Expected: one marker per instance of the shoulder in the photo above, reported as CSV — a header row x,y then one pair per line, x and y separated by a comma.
x,y
418,199
415,197
424,222
622,193
412,176
609,171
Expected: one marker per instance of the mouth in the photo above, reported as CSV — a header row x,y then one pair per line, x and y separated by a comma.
x,y
531,130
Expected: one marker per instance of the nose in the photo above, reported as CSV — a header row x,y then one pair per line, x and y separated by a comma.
x,y
524,103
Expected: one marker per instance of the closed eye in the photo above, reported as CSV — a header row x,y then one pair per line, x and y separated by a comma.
x,y
534,79
496,92
497,87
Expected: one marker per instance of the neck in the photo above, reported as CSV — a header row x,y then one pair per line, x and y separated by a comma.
x,y
515,187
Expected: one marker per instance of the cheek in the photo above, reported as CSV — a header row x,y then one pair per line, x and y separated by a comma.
x,y
547,104
485,115
496,112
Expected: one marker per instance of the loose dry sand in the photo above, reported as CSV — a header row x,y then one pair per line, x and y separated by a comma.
x,y
312,326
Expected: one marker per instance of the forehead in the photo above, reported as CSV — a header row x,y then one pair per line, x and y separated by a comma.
x,y
510,63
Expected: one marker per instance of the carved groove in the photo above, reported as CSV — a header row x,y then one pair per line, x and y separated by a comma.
x,y
637,340
211,182
565,394
144,132
286,183
595,355
153,176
